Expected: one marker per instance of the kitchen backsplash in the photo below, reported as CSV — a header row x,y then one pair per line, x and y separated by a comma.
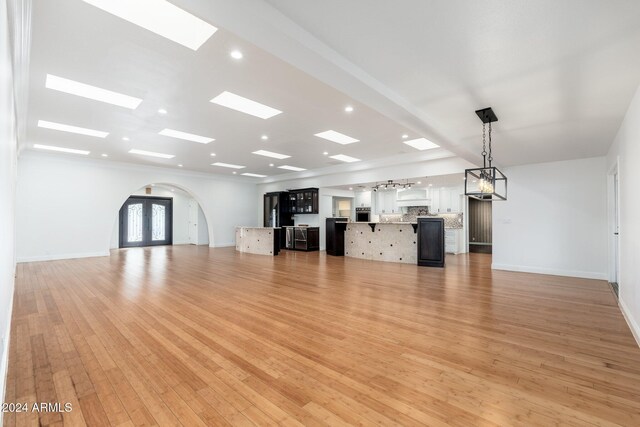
x,y
451,220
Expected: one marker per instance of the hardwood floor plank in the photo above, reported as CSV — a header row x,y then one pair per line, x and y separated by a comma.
x,y
191,336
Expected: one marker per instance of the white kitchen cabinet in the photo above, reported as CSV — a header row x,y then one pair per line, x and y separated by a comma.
x,y
386,202
363,198
453,240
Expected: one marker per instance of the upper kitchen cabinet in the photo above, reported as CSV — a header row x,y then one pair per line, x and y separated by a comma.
x,y
445,199
386,202
304,201
363,199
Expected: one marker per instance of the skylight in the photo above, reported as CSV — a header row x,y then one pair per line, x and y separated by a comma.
x,y
151,154
162,18
73,129
255,175
60,149
186,136
244,105
291,168
227,165
92,92
338,137
271,154
345,158
421,144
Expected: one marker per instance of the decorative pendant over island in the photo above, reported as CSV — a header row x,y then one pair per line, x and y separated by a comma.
x,y
486,183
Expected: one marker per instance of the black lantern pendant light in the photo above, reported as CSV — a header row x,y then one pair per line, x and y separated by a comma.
x,y
486,183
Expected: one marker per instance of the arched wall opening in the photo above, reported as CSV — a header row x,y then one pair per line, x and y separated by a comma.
x,y
189,221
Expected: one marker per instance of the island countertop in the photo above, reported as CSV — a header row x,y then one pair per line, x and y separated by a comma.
x,y
382,241
258,240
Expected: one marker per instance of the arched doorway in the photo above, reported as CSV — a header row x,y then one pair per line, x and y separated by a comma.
x,y
160,214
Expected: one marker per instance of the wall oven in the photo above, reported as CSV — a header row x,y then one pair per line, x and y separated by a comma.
x,y
363,214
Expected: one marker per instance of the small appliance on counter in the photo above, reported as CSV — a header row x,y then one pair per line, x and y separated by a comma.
x,y
363,214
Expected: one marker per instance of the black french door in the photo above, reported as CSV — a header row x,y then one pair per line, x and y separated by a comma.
x,y
146,221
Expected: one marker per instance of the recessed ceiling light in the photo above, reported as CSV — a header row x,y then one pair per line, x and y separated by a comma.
x,y
213,154
60,149
326,153
234,172
345,158
255,175
271,154
348,108
180,165
92,92
405,136
227,165
151,154
350,188
421,144
271,165
172,190
291,168
162,111
430,185
162,18
244,105
104,155
73,129
125,138
236,54
419,182
338,137
264,137
186,136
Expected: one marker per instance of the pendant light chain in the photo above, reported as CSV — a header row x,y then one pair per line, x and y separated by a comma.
x,y
484,145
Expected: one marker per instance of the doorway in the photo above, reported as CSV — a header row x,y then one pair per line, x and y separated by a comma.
x,y
146,221
614,226
480,229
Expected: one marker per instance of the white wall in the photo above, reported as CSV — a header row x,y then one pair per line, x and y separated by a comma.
x,y
66,207
180,218
8,148
555,219
625,150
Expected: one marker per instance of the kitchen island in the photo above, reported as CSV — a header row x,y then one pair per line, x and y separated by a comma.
x,y
382,241
258,240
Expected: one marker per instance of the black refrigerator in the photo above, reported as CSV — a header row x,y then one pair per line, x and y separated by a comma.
x,y
277,212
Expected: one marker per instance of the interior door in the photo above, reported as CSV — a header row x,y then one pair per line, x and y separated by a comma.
x,y
193,222
480,226
146,221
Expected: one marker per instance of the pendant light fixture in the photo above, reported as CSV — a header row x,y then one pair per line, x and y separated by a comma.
x,y
486,183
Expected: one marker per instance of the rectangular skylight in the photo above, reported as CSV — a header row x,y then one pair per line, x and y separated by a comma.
x,y
60,149
186,136
87,91
291,168
73,129
151,154
162,18
244,105
338,137
271,154
421,144
345,158
227,165
255,175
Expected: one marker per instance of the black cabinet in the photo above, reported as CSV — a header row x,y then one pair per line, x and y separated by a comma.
x,y
303,201
431,242
302,238
335,236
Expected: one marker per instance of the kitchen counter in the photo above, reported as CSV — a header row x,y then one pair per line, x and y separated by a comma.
x,y
258,240
384,241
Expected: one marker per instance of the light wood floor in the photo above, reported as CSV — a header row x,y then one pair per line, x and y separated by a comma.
x,y
197,336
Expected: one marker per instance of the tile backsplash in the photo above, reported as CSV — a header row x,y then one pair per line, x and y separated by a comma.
x,y
451,220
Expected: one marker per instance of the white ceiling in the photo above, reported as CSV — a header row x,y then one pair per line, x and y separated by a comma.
x,y
75,40
559,74
439,181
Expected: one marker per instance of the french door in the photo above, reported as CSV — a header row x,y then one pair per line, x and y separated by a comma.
x,y
146,221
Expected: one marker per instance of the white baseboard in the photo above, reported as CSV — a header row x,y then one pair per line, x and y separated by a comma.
x,y
62,256
551,271
222,245
633,325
